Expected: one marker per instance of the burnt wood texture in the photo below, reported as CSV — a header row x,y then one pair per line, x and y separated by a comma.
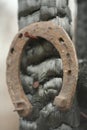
x,y
38,66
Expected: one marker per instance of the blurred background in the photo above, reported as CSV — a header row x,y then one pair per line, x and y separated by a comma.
x,y
81,41
8,29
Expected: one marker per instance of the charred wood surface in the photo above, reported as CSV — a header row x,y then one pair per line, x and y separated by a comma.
x,y
41,68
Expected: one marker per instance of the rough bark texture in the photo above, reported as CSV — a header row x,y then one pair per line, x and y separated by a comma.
x,y
82,85
82,30
41,66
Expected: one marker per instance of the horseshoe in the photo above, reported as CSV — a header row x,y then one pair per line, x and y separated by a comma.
x,y
61,41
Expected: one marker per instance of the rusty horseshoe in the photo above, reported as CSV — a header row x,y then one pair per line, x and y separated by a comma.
x,y
61,41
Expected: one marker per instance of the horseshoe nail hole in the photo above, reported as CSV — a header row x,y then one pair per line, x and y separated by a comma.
x,y
20,35
69,72
68,55
61,40
12,50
